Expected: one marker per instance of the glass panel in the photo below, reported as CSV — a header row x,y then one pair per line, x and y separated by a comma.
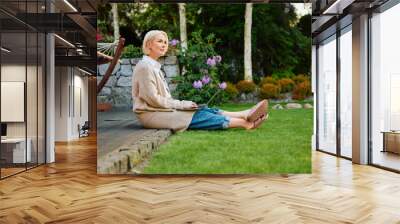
x,y
346,93
41,99
327,96
386,89
31,97
14,153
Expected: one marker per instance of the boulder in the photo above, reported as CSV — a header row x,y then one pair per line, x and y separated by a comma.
x,y
171,70
277,107
171,60
293,106
125,61
134,61
106,91
307,106
126,70
124,81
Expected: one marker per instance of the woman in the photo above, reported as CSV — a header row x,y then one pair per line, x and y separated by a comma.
x,y
155,108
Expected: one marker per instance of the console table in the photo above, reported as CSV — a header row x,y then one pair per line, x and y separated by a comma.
x,y
391,141
13,150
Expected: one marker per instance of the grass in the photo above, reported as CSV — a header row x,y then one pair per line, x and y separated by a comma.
x,y
281,145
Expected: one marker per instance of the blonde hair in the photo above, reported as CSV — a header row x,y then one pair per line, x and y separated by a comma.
x,y
149,37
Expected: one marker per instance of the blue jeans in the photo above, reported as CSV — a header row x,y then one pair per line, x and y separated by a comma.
x,y
209,119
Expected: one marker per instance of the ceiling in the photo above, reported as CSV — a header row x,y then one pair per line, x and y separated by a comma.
x,y
72,20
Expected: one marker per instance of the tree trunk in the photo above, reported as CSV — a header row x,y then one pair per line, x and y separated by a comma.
x,y
248,74
182,25
115,21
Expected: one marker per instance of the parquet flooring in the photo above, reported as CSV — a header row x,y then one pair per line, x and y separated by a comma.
x,y
70,191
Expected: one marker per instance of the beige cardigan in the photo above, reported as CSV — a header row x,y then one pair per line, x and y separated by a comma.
x,y
153,103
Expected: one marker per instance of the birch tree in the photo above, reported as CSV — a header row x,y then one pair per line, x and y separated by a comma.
x,y
114,11
182,25
248,73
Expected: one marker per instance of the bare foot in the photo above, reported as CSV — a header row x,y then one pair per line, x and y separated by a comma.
x,y
257,111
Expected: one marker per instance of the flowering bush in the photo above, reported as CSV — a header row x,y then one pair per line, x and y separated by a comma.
x,y
266,80
246,86
231,90
200,65
300,78
173,47
286,85
269,90
302,90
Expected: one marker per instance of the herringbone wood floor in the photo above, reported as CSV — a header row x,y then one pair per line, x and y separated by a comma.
x,y
69,191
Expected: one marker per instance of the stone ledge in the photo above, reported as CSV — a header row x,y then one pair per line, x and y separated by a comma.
x,y
128,158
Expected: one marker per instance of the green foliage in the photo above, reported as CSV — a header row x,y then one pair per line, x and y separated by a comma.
x,y
231,90
269,91
268,80
282,74
302,90
285,150
279,43
194,62
131,51
300,78
246,86
286,85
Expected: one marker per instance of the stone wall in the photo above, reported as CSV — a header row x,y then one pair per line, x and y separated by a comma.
x,y
118,89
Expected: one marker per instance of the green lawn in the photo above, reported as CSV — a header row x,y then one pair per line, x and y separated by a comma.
x,y
281,145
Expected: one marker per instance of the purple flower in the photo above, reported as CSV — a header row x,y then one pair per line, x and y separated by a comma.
x,y
174,42
206,79
218,58
222,85
211,62
197,84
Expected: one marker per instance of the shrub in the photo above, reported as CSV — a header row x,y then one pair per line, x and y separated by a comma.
x,y
231,90
269,80
246,86
130,51
269,91
202,64
286,85
302,90
282,74
300,78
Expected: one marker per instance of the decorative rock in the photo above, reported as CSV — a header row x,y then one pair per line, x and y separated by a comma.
x,y
124,81
277,107
102,99
125,61
102,69
307,106
126,70
105,91
171,70
293,106
117,67
171,60
111,81
134,61
122,96
242,97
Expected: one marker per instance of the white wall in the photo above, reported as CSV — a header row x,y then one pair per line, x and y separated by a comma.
x,y
71,102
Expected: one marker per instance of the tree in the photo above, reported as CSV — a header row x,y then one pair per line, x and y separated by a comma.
x,y
247,42
182,25
115,21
